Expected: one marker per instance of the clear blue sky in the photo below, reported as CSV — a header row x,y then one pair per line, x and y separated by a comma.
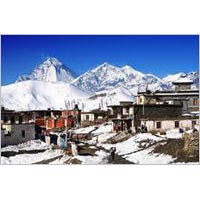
x,y
159,55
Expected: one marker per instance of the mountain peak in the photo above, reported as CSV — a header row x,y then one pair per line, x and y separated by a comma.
x,y
51,70
105,63
127,67
104,66
130,70
53,61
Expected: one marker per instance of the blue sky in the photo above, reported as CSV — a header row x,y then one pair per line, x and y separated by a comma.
x,y
159,55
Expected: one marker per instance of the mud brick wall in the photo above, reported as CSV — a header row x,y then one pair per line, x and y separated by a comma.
x,y
156,111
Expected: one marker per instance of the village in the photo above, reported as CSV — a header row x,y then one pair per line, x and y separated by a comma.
x,y
159,127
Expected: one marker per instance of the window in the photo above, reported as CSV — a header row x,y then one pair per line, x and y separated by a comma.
x,y
158,124
23,133
195,102
87,117
176,124
140,99
194,123
12,120
20,119
5,119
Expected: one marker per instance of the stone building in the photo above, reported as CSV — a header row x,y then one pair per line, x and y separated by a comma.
x,y
161,110
156,106
163,124
13,134
16,127
122,116
95,116
152,111
127,116
182,95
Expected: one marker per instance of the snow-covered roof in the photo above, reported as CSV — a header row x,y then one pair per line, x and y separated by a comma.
x,y
183,80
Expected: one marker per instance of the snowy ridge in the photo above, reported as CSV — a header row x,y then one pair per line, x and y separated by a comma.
x,y
106,77
51,70
51,84
193,76
173,77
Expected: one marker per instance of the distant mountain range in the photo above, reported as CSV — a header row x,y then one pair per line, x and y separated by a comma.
x,y
52,84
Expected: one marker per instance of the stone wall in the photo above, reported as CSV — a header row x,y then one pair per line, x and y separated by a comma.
x,y
19,133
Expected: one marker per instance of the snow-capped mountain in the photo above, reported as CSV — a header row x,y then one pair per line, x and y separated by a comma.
x,y
37,95
41,95
173,77
194,76
51,70
106,77
51,84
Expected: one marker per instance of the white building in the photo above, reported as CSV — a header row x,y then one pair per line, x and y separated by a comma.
x,y
165,124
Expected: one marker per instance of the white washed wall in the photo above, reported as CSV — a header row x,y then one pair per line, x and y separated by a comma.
x,y
169,124
83,117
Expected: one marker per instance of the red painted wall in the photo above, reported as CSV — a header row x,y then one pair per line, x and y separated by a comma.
x,y
51,123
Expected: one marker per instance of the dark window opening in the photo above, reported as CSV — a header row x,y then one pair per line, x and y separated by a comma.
x,y
158,124
176,124
12,120
48,113
87,117
23,133
5,119
194,123
20,119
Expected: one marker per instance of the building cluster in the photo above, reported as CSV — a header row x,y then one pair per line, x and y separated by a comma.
x,y
153,111
22,126
160,110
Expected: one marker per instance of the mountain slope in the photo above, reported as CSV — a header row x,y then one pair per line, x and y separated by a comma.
x,y
51,70
37,95
40,95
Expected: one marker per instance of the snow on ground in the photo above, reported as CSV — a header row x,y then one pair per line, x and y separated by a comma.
x,y
134,149
132,143
96,130
101,158
174,134
31,158
146,157
105,128
101,138
102,134
30,145
136,154
62,160
85,130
